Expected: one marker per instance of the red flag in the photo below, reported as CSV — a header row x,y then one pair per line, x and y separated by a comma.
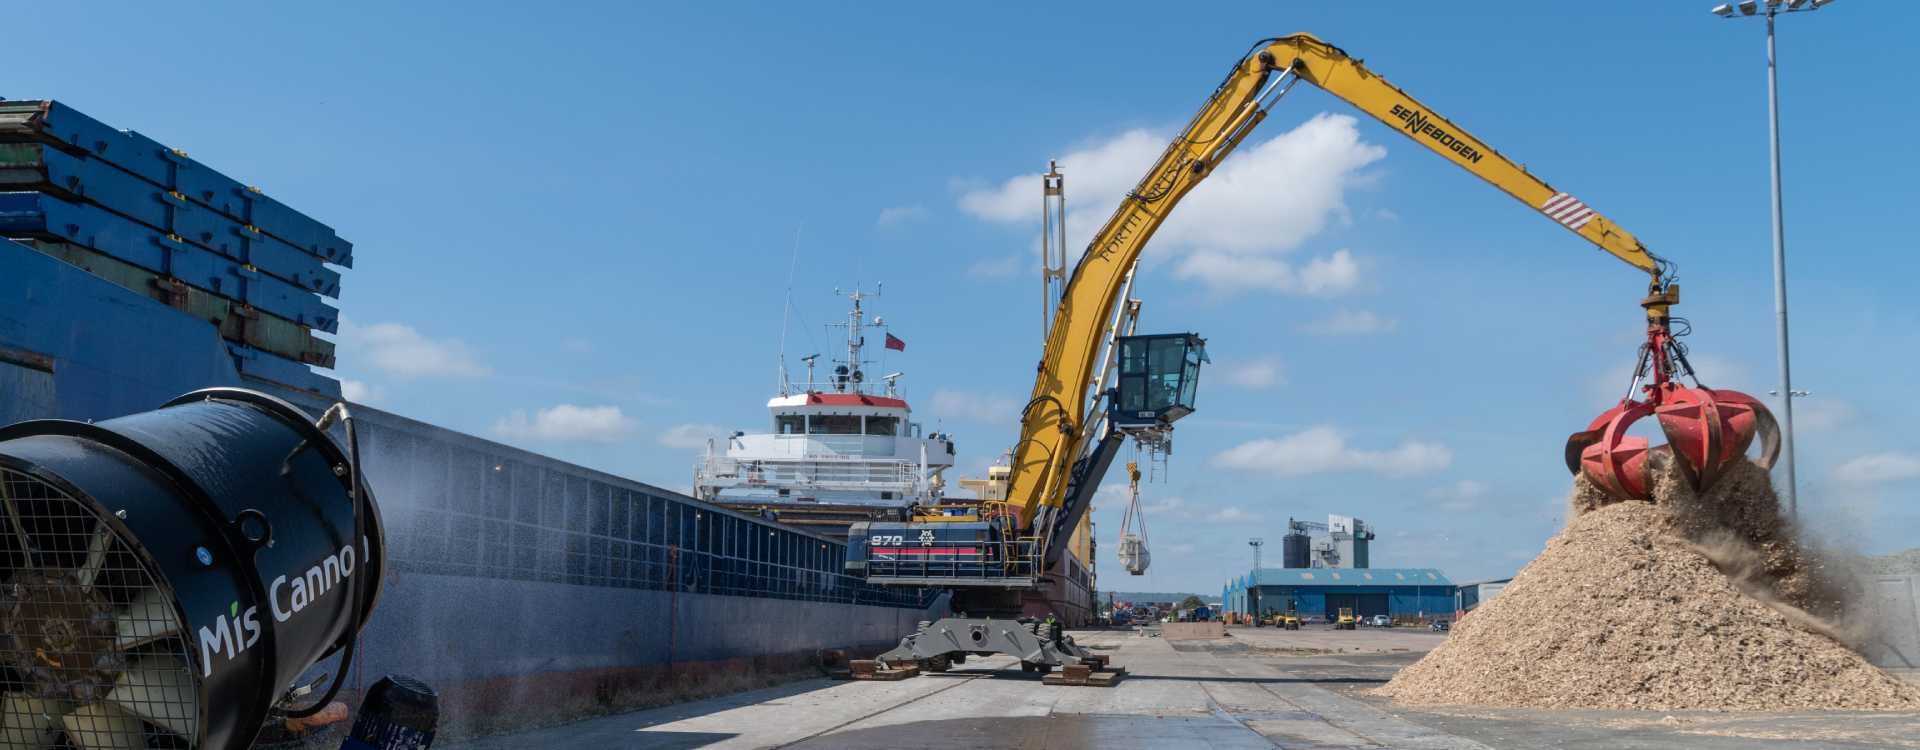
x,y
894,343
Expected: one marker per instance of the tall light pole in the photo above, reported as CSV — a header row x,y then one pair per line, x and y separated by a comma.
x,y
1749,8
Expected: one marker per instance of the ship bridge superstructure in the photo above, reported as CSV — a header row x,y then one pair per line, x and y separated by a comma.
x,y
844,441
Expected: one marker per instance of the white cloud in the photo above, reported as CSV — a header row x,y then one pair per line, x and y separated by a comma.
x,y
1265,372
1329,276
1097,177
1460,496
995,268
361,392
567,422
897,215
1320,450
1386,214
691,436
974,407
1266,200
1349,323
1171,504
1233,514
1879,467
398,349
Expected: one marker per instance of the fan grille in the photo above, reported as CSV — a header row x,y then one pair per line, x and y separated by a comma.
x,y
91,653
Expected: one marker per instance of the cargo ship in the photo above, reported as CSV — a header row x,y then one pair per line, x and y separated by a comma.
x,y
520,586
839,450
842,452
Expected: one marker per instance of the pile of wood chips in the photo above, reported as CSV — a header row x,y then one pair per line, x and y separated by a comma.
x,y
1688,602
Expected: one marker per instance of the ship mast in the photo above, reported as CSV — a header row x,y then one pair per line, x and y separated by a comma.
x,y
849,376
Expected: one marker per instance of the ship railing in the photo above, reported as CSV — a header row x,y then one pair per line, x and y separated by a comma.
x,y
824,387
898,476
834,446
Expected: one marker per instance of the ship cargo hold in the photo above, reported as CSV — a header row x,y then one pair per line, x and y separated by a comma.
x,y
518,585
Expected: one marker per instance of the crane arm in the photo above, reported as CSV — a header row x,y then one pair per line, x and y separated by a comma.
x,y
1331,69
1055,423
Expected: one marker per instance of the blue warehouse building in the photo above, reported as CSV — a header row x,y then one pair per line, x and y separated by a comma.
x,y
1396,592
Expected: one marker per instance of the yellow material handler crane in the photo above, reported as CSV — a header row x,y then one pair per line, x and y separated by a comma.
x,y
994,553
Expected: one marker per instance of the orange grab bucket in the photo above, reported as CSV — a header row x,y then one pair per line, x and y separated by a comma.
x,y
1708,429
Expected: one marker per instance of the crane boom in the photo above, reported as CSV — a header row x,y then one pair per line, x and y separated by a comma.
x,y
997,559
1054,424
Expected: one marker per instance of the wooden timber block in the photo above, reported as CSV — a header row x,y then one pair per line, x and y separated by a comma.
x,y
1103,679
1097,660
867,669
1095,679
1080,675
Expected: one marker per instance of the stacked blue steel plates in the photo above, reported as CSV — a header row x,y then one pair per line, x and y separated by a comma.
x,y
72,187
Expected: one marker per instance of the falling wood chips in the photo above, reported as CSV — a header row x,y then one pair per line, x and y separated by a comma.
x,y
1684,603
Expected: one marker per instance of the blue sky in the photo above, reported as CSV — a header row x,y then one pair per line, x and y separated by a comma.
x,y
594,207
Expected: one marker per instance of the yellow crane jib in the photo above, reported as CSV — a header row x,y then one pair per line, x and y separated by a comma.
x,y
1053,433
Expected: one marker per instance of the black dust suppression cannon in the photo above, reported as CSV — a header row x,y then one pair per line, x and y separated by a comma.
x,y
165,577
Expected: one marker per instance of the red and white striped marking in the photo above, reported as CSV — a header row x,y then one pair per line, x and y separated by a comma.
x,y
1567,210
927,551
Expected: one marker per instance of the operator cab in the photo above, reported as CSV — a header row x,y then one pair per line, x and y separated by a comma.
x,y
1159,375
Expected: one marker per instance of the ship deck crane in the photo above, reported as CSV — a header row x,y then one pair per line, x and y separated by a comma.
x,y
992,551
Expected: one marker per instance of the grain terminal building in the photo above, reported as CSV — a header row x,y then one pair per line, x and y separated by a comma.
x,y
1396,592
